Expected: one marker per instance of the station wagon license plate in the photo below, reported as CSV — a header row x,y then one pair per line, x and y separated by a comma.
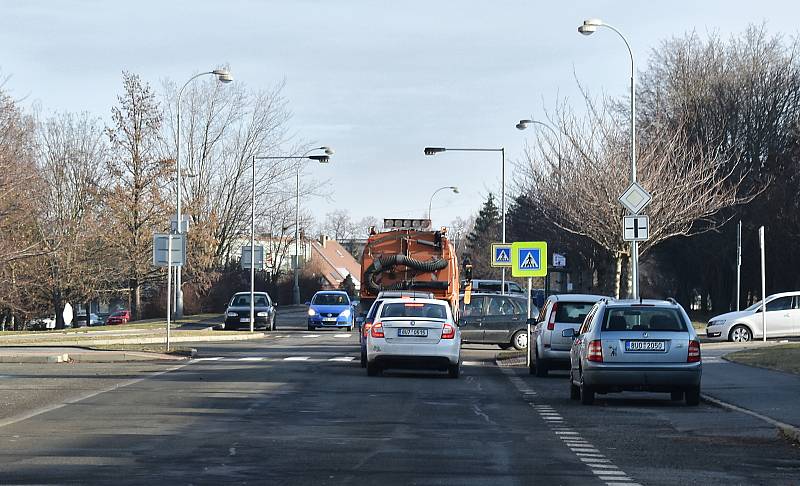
x,y
645,346
408,331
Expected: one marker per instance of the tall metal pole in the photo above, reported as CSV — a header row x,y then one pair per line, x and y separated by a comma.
x,y
169,284
761,239
634,244
503,211
296,288
738,263
253,247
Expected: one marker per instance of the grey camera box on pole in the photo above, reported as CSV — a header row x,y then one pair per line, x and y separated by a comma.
x,y
160,249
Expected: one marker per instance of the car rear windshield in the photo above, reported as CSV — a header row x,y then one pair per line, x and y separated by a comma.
x,y
572,312
643,319
415,309
330,299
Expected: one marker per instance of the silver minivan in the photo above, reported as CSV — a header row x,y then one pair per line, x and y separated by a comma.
x,y
642,345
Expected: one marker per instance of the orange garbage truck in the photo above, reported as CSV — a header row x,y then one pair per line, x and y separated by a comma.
x,y
408,256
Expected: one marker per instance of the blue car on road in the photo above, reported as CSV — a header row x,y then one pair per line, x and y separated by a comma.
x,y
330,309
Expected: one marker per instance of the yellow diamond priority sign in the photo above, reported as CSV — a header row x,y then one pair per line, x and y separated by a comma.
x,y
529,259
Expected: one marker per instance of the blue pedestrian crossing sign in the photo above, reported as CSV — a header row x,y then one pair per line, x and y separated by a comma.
x,y
529,259
501,254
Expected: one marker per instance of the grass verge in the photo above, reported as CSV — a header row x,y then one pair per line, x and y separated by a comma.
x,y
784,357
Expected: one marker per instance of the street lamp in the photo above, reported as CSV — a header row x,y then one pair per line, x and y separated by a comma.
x,y
589,27
223,76
524,124
452,188
322,159
502,150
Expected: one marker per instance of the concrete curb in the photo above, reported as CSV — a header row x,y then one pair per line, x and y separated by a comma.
x,y
35,358
141,340
790,431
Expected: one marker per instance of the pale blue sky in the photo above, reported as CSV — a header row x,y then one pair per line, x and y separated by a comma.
x,y
377,80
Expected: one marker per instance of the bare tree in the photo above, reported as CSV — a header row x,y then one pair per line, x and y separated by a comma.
x,y
689,187
135,198
338,225
71,156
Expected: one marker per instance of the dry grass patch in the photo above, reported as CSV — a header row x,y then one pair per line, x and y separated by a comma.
x,y
784,357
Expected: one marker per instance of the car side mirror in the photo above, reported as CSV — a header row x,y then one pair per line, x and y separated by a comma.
x,y
569,333
531,321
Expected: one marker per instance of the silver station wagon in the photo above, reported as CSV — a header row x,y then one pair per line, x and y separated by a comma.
x,y
626,345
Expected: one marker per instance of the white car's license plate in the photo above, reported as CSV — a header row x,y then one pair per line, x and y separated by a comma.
x,y
328,319
410,331
645,346
244,319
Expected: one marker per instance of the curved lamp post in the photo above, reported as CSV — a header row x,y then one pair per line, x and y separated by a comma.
x,y
502,150
223,76
430,203
323,159
589,27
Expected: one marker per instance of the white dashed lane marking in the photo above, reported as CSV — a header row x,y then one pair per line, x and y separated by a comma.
x,y
254,358
341,335
587,453
311,335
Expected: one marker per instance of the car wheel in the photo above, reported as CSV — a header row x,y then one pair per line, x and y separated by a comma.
x,y
740,334
676,396
693,396
540,365
454,370
574,391
520,340
587,394
373,369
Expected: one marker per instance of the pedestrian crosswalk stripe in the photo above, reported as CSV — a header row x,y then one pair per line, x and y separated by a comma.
x,y
296,358
310,335
209,359
342,358
251,359
341,335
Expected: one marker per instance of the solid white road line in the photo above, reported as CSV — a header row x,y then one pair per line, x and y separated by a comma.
x,y
216,358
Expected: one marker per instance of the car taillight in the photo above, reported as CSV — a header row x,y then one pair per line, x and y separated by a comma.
x,y
448,331
551,325
694,352
366,328
595,351
377,330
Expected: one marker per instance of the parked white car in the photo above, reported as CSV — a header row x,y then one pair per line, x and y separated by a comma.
x,y
782,316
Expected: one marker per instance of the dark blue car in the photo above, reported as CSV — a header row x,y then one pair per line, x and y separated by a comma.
x,y
330,309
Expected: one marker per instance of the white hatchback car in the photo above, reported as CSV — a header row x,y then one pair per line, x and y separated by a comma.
x,y
414,334
783,319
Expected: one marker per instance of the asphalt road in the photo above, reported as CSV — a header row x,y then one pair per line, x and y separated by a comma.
x,y
296,408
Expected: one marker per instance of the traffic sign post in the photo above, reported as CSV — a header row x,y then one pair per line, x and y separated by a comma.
x,y
501,254
635,228
169,249
529,259
247,259
635,198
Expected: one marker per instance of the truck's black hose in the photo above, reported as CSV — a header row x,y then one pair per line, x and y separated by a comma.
x,y
382,264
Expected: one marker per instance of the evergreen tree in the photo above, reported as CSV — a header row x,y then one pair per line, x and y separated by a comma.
x,y
487,230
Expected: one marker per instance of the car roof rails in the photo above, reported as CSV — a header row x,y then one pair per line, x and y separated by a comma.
x,y
671,300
